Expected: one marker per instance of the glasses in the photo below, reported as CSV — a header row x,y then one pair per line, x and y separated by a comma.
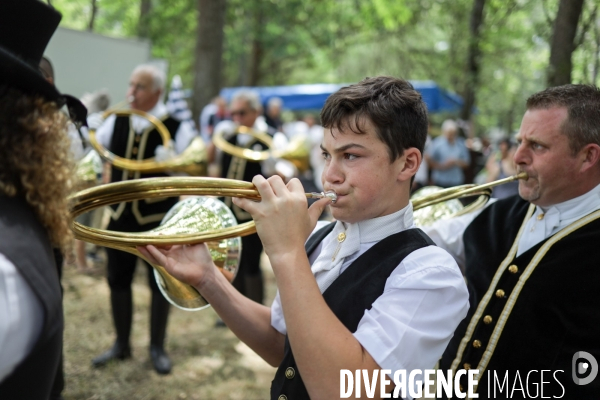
x,y
241,113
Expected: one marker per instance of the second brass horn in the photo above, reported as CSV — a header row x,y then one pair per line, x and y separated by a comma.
x,y
192,161
297,151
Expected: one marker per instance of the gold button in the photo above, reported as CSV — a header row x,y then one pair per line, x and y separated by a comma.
x,y
467,366
137,138
540,217
282,397
134,151
290,373
487,319
341,237
461,388
476,344
513,269
500,293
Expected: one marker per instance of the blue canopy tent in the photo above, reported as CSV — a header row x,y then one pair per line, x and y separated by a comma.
x,y
313,96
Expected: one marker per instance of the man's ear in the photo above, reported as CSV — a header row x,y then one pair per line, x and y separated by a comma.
x,y
412,160
591,157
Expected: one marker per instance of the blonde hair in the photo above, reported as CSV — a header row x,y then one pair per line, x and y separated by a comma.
x,y
35,160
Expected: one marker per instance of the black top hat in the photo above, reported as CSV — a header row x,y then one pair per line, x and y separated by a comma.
x,y
26,27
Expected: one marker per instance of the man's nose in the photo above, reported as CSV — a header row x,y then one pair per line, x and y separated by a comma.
x,y
520,155
332,173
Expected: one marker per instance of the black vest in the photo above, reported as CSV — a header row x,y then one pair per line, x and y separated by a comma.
x,y
25,243
125,143
350,295
555,304
240,169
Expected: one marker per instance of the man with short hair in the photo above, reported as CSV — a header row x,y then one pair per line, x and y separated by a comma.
x,y
447,157
136,139
531,261
245,111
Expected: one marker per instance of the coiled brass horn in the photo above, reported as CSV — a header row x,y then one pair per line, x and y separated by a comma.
x,y
192,161
193,220
432,203
297,151
185,225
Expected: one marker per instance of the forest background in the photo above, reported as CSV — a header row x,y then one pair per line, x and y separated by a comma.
x,y
494,53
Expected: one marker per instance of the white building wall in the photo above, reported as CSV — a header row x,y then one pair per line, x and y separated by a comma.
x,y
86,62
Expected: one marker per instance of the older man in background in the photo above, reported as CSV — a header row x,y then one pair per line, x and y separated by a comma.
x,y
136,139
447,157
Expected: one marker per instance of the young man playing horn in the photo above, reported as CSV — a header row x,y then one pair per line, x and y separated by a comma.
x,y
369,291
531,261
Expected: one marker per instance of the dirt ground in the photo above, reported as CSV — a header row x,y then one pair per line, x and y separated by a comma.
x,y
208,362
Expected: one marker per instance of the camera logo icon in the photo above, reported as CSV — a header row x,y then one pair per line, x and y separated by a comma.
x,y
584,364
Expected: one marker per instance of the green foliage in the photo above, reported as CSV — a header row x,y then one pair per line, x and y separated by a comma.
x,y
278,42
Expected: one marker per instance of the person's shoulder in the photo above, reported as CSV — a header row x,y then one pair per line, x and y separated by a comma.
x,y
431,259
227,127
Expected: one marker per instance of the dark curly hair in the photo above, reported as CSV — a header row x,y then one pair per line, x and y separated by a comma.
x,y
35,160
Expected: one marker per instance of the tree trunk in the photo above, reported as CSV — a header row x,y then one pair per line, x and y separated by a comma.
x,y
144,22
563,42
208,53
93,15
257,50
473,59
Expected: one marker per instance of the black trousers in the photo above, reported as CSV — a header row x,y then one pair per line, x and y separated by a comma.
x,y
121,265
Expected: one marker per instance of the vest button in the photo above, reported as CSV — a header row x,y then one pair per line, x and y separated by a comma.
x,y
500,293
134,151
282,397
476,344
513,269
137,138
290,372
487,319
467,366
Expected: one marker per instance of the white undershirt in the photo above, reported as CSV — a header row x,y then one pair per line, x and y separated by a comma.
x,y
21,317
424,298
184,135
448,234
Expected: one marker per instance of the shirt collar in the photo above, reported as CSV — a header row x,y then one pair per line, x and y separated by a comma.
x,y
576,208
159,110
375,229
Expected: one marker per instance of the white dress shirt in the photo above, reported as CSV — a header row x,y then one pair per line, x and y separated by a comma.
x,y
448,234
21,317
424,299
184,135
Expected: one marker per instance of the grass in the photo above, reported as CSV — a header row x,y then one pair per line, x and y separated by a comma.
x,y
208,362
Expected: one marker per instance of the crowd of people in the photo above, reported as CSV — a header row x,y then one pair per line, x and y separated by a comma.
x,y
359,285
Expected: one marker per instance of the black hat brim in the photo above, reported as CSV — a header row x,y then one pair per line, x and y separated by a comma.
x,y
16,73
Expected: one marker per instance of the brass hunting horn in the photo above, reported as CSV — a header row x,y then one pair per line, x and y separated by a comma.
x,y
297,150
433,203
197,220
194,220
192,161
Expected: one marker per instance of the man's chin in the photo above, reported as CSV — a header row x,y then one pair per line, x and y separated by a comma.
x,y
529,195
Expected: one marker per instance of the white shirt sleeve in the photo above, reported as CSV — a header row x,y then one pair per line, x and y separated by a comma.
x,y
185,133
21,317
448,233
105,131
412,322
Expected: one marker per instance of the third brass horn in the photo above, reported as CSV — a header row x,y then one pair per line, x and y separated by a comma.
x,y
192,161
